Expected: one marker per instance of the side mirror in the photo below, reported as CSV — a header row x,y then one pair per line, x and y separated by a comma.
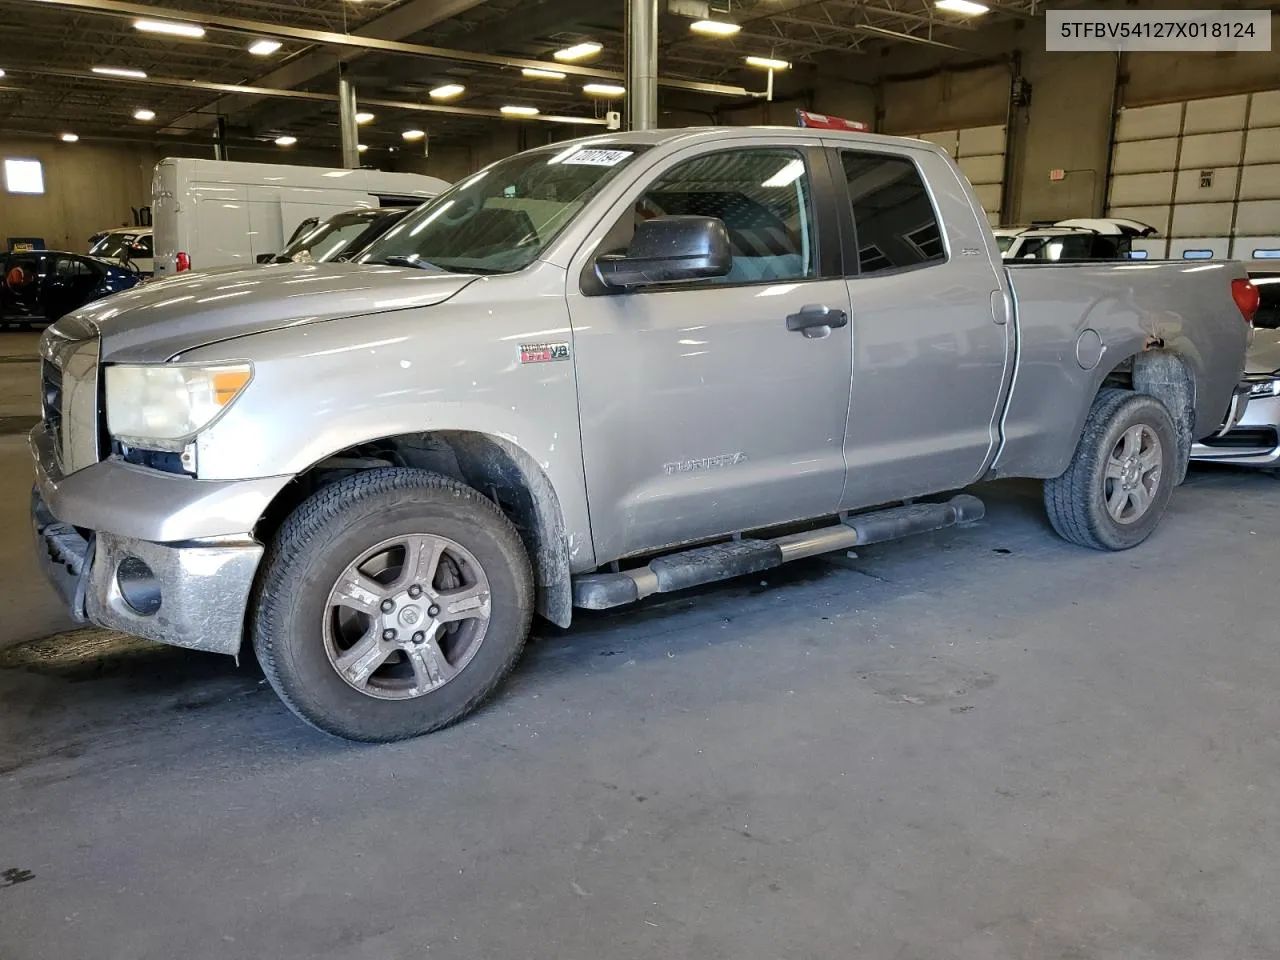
x,y
669,250
264,257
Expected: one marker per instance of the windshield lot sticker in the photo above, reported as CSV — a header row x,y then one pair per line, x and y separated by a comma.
x,y
543,352
597,158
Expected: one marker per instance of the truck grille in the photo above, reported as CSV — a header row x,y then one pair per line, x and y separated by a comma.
x,y
51,396
69,402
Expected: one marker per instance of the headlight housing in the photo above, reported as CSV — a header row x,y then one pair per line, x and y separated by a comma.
x,y
1265,388
162,406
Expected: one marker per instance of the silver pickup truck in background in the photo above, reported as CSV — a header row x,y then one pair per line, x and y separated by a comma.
x,y
589,373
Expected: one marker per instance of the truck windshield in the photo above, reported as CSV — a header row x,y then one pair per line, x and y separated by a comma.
x,y
502,218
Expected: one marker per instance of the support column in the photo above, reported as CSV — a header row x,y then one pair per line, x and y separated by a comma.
x,y
642,64
220,139
347,120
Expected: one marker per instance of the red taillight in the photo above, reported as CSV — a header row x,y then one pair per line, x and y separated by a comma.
x,y
184,263
1247,298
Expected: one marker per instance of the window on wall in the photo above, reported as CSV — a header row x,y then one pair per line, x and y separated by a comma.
x,y
892,214
762,196
23,176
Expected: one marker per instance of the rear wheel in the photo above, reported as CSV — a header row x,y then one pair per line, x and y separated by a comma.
x,y
391,604
1120,479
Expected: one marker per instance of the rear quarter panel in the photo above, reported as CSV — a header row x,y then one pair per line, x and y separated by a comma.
x,y
1182,307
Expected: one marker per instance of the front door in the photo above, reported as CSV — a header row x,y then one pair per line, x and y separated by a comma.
x,y
702,413
932,348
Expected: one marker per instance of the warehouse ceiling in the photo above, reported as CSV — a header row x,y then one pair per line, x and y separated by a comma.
x,y
48,49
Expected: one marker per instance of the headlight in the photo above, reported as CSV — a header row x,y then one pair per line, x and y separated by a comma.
x,y
163,406
1267,388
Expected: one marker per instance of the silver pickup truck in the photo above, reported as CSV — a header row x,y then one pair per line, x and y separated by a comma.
x,y
592,372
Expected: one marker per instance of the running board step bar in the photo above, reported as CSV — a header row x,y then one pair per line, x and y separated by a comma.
x,y
735,558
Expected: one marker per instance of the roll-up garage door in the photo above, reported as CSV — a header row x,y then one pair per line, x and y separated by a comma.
x,y
980,153
1205,173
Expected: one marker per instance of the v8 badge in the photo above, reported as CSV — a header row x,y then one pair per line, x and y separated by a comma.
x,y
544,352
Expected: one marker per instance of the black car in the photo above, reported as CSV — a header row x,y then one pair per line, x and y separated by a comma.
x,y
39,286
340,237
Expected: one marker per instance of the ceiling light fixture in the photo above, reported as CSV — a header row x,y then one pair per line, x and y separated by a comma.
x,y
579,51
604,89
966,7
286,141
142,113
1,73
414,134
120,72
715,28
363,118
768,63
192,31
519,111
264,48
538,74
69,138
362,147
447,91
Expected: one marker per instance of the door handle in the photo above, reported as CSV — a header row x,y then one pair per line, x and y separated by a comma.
x,y
816,316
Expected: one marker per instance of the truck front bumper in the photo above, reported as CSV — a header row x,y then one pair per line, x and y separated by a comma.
x,y
167,558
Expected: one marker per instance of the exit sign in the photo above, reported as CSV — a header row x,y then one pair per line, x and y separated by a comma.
x,y
1057,174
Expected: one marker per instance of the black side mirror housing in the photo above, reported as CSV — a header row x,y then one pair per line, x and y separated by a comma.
x,y
669,250
264,257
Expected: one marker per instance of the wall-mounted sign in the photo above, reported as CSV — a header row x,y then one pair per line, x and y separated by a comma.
x,y
1057,174
1206,179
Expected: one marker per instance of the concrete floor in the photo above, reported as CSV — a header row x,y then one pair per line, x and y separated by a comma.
x,y
983,744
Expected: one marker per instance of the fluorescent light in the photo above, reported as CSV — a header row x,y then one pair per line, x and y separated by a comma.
x,y
364,118
768,63
538,74
447,91
1,73
69,138
286,141
787,174
604,89
120,72
361,147
519,111
414,134
967,7
714,28
264,48
142,113
579,51
192,30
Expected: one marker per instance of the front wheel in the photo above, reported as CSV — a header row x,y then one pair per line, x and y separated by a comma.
x,y
391,604
1119,481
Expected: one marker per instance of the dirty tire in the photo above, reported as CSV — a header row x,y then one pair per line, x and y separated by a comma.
x,y
313,548
1076,501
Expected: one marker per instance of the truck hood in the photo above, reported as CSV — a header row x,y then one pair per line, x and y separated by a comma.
x,y
1264,352
156,321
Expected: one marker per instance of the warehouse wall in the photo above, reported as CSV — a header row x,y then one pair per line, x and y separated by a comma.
x,y
87,188
1067,127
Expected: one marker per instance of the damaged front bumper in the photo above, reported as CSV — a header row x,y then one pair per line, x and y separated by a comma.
x,y
191,592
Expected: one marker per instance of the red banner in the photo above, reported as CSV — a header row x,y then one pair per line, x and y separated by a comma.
x,y
821,121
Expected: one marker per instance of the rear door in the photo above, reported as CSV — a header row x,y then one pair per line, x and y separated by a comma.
x,y
701,412
932,348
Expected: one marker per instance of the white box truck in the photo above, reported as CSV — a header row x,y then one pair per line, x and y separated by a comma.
x,y
223,213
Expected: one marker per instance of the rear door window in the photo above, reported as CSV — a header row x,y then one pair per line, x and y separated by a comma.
x,y
893,217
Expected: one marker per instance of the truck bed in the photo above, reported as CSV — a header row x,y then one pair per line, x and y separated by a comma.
x,y
1101,315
